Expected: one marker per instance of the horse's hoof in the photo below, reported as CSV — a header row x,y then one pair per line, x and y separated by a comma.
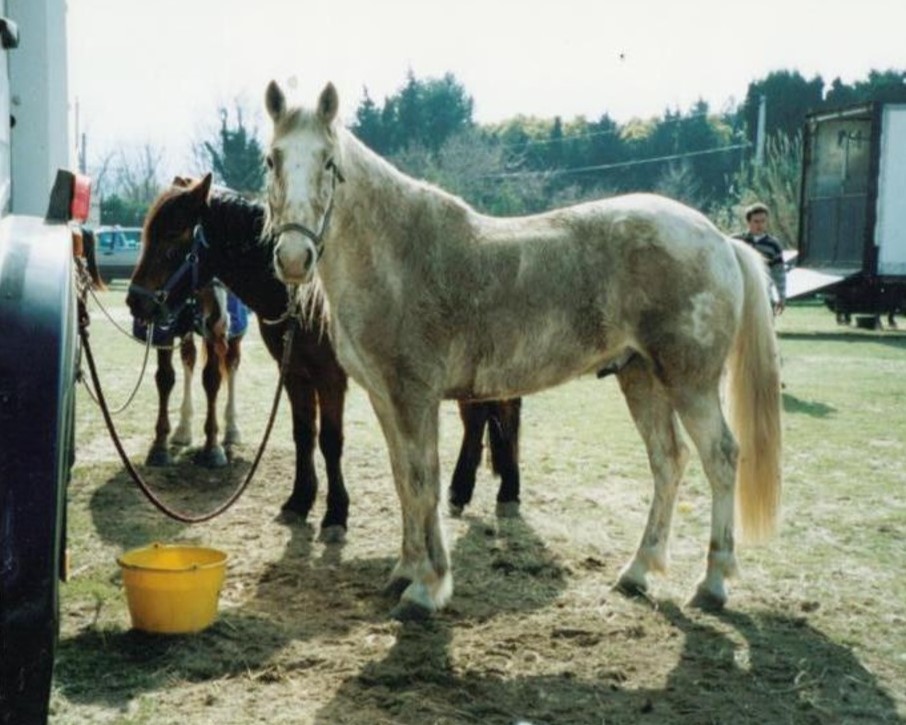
x,y
410,612
631,588
213,458
159,458
181,439
233,438
395,587
290,517
335,534
708,601
507,509
455,510
294,510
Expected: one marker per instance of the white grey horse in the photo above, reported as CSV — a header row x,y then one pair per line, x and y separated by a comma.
x,y
430,300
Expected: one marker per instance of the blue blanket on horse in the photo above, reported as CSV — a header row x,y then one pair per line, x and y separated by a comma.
x,y
191,319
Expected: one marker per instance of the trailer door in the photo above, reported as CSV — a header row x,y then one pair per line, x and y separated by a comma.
x,y
890,231
836,180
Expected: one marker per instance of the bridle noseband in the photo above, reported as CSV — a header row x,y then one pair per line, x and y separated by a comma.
x,y
316,238
165,312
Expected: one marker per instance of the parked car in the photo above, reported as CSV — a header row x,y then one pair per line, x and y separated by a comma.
x,y
117,251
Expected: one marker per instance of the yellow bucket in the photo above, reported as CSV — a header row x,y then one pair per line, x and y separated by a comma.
x,y
173,589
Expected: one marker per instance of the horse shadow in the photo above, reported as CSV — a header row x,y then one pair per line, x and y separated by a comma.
x,y
784,670
499,566
302,596
813,408
122,516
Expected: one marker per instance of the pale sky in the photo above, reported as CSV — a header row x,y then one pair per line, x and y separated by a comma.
x,y
155,71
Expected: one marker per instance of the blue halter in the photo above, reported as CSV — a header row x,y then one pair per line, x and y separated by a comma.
x,y
167,305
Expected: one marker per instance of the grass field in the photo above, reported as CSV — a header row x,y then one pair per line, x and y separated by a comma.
x,y
815,631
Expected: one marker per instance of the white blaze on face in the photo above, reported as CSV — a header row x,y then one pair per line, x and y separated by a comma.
x,y
303,188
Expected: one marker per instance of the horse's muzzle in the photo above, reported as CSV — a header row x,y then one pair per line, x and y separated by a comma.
x,y
294,259
142,307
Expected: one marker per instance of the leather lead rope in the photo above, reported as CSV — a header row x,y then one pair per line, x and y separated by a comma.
x,y
137,477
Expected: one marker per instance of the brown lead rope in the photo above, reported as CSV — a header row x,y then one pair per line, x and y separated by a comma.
x,y
136,476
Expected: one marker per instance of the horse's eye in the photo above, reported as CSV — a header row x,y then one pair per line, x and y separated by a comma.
x,y
171,253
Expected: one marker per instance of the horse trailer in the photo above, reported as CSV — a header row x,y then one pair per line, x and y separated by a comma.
x,y
852,227
37,397
39,352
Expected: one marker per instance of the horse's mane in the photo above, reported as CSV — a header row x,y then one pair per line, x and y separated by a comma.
x,y
381,171
229,214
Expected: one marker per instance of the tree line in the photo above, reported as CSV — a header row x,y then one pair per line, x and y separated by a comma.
x,y
701,156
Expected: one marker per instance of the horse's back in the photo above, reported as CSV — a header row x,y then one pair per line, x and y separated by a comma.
x,y
573,290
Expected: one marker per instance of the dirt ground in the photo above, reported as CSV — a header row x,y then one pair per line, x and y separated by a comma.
x,y
814,632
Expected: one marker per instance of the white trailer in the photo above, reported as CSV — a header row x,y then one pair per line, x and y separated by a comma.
x,y
852,229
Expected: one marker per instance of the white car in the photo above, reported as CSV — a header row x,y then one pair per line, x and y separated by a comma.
x,y
117,250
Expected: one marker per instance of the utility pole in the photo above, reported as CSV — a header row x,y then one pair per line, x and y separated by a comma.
x,y
759,133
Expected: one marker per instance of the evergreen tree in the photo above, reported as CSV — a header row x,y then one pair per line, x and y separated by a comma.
x,y
235,156
888,85
422,113
789,97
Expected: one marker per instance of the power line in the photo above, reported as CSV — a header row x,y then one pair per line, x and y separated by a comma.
x,y
622,164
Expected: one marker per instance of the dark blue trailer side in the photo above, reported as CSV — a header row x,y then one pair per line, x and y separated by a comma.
x,y
38,357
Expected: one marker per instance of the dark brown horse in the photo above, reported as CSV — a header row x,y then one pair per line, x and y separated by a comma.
x,y
221,234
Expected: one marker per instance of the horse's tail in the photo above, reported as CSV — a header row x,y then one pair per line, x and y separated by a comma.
x,y
89,253
755,403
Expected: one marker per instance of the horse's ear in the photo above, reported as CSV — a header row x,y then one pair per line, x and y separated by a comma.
x,y
275,101
201,190
181,182
328,104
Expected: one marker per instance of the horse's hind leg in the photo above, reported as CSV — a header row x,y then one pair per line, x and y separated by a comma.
x,y
667,455
232,436
189,356
704,421
503,432
164,379
474,418
212,455
331,399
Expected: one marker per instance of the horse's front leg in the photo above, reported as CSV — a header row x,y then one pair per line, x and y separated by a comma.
x,y
164,379
423,572
305,486
189,356
332,398
212,455
232,436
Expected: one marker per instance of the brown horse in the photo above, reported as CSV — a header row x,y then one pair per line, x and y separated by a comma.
x,y
430,300
222,355
206,312
221,235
